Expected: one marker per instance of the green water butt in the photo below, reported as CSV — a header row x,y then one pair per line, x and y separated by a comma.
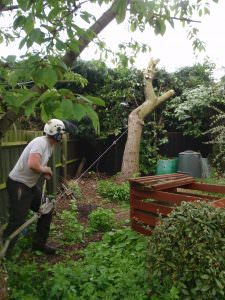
x,y
167,166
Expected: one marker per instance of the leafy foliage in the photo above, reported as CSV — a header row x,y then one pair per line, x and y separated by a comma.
x,y
73,185
217,138
153,137
69,230
112,269
30,86
113,191
186,251
191,109
195,91
101,220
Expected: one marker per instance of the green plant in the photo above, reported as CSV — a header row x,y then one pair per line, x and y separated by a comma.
x,y
74,186
217,139
114,269
187,252
153,137
102,219
21,279
68,229
113,191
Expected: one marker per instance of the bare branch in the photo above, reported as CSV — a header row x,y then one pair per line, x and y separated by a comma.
x,y
8,8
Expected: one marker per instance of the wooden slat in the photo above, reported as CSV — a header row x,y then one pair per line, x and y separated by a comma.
x,y
165,196
157,177
144,218
137,227
214,188
152,207
174,183
173,198
200,196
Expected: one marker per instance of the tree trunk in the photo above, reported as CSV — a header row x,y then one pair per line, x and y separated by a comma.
x,y
130,164
10,117
3,282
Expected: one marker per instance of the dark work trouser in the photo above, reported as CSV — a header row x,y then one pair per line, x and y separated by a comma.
x,y
21,199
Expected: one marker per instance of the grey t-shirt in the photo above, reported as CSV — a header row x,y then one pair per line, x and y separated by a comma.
x,y
21,172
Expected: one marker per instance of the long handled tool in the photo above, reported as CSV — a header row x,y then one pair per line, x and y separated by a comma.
x,y
45,207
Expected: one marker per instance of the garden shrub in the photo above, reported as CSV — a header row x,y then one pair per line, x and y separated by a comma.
x,y
187,251
102,219
113,191
73,185
69,230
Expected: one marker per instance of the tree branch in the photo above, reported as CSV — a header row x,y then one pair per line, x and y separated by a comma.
x,y
8,8
165,96
96,28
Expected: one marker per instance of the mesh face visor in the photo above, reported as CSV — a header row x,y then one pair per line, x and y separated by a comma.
x,y
58,135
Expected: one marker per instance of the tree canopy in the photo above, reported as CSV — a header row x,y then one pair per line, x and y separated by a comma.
x,y
55,32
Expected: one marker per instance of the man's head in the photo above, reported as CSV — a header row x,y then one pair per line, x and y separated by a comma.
x,y
54,128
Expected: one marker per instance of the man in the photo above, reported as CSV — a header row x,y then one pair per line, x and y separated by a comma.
x,y
22,185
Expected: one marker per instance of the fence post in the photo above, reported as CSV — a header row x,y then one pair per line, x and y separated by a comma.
x,y
64,155
54,179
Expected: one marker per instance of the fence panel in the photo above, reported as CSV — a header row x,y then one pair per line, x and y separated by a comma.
x,y
64,160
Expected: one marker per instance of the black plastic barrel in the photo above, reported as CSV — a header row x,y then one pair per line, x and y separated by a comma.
x,y
189,162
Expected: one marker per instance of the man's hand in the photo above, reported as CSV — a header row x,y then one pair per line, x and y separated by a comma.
x,y
47,171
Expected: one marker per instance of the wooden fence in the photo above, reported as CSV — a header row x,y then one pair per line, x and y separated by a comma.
x,y
64,162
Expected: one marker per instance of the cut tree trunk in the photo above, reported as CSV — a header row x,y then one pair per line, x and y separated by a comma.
x,y
130,164
131,152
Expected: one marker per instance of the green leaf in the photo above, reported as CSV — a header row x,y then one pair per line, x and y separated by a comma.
x,y
160,27
39,7
19,22
13,78
60,45
94,117
45,77
79,111
29,24
29,109
37,36
67,108
11,59
23,42
74,46
17,99
120,7
24,4
49,95
53,13
86,16
95,100
44,115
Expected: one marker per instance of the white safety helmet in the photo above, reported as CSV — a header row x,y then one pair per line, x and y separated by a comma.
x,y
55,128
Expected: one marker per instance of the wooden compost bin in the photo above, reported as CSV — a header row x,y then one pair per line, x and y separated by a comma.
x,y
152,196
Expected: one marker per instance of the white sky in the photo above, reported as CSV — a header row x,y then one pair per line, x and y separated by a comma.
x,y
173,49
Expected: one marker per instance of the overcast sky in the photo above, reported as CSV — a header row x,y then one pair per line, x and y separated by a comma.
x,y
173,49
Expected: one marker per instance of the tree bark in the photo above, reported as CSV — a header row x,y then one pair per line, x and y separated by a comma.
x,y
10,117
3,282
130,164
